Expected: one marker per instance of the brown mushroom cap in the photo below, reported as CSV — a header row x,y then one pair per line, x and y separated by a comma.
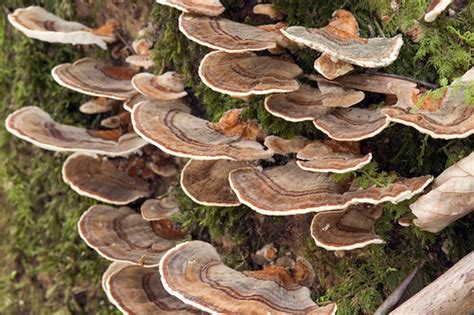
x,y
97,105
168,86
35,126
285,146
134,100
244,74
182,134
159,209
207,182
94,78
269,10
340,39
121,234
205,7
194,273
287,190
140,61
331,69
347,229
98,178
435,8
226,35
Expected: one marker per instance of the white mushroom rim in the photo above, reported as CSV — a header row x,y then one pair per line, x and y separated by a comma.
x,y
365,160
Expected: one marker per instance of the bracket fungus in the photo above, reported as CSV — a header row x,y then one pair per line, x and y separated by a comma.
x,y
331,69
182,134
245,74
435,8
205,7
95,78
159,209
269,10
121,234
194,273
168,86
288,190
98,178
35,22
35,126
347,229
286,146
97,105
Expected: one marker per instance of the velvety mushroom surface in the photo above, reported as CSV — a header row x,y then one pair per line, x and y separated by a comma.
x,y
205,7
194,273
121,234
95,78
35,126
168,86
159,209
244,74
347,229
98,178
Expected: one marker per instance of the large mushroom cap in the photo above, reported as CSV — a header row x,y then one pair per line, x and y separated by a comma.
x,y
347,229
182,134
94,78
207,182
35,22
121,234
194,273
159,209
340,39
205,7
168,86
226,35
244,74
98,178
35,126
138,290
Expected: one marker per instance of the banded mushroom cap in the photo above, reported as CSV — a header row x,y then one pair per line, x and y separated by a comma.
x,y
121,234
34,125
207,182
340,40
444,114
98,178
195,274
168,86
352,124
347,229
159,209
331,156
138,290
285,146
95,78
245,74
331,69
35,22
133,100
96,105
226,35
435,8
182,134
205,7
451,197
288,190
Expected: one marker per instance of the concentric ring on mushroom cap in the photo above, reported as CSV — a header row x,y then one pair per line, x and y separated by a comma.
x,y
35,126
226,35
287,190
206,7
121,234
244,74
97,178
168,86
95,78
347,229
195,274
182,134
138,290
159,209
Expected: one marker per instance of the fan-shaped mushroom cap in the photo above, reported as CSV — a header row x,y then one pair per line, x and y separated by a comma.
x,y
435,8
134,100
331,69
205,7
226,35
287,190
159,209
168,86
140,61
94,78
451,197
352,124
331,156
347,229
340,39
98,178
181,134
97,105
269,10
244,74
121,234
138,290
35,22
35,126
207,182
285,146
194,273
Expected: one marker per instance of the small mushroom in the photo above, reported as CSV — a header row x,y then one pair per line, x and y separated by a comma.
x,y
97,105
168,86
269,10
205,7
134,100
285,146
244,74
331,69
435,8
116,121
265,255
159,209
347,229
145,62
303,272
